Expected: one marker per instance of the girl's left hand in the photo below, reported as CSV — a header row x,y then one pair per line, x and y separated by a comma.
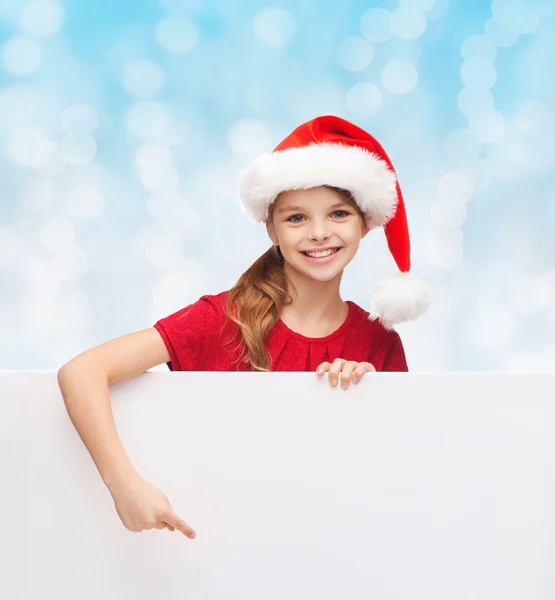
x,y
349,369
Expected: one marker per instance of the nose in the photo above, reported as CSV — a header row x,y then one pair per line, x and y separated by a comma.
x,y
320,231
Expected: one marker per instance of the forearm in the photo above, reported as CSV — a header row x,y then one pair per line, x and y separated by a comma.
x,y
86,396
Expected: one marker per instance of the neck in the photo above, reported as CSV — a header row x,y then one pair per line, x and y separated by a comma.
x,y
315,302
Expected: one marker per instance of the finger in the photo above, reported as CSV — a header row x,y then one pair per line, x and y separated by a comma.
x,y
323,368
180,525
168,526
347,373
334,371
362,368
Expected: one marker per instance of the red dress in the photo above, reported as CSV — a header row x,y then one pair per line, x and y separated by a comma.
x,y
194,339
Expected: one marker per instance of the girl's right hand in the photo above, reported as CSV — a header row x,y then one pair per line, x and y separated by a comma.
x,y
141,506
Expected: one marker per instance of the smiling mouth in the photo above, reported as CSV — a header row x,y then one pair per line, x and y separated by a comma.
x,y
321,260
335,251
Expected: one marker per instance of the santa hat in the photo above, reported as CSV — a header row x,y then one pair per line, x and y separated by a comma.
x,y
331,151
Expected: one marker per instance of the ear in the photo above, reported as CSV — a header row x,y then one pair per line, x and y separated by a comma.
x,y
364,231
270,231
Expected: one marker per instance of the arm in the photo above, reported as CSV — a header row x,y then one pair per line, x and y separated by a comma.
x,y
84,382
395,359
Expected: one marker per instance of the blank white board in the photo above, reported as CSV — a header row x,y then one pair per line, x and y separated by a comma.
x,y
405,487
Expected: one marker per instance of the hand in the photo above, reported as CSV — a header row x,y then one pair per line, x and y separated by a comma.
x,y
142,506
348,369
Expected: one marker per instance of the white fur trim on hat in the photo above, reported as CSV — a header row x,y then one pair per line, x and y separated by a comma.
x,y
399,298
367,176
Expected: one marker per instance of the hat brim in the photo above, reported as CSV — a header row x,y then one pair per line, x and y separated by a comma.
x,y
368,177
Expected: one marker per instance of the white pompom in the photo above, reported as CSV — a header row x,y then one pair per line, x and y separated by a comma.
x,y
399,298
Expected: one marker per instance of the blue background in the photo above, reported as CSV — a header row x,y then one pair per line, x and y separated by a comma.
x,y
124,126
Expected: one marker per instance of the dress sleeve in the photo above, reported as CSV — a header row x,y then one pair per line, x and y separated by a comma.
x,y
185,334
395,359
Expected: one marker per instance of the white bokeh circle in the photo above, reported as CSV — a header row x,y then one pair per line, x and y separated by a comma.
x,y
85,201
534,118
480,173
148,119
455,186
79,118
23,142
355,53
249,138
150,153
57,233
443,248
461,146
163,249
10,247
159,176
478,72
499,34
408,23
399,76
171,210
364,99
517,16
274,26
375,25
448,214
438,10
143,78
478,46
37,193
488,126
494,328
474,100
42,18
78,148
422,5
177,34
70,263
22,56
49,159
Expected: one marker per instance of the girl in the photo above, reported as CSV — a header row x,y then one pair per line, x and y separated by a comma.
x,y
319,193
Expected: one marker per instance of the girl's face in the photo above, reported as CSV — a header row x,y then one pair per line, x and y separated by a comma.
x,y
310,220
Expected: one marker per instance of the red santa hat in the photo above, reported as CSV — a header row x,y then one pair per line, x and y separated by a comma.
x,y
331,151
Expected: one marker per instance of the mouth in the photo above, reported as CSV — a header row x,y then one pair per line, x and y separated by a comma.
x,y
328,257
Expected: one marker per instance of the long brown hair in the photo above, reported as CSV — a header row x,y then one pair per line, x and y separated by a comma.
x,y
254,303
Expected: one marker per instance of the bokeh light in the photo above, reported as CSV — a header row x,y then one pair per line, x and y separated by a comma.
x,y
42,18
364,99
375,25
122,148
143,78
274,27
85,201
22,56
177,34
355,53
408,23
399,76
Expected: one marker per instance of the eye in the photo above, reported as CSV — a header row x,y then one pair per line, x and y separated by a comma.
x,y
344,214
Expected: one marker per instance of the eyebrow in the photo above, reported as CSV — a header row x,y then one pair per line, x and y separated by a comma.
x,y
288,208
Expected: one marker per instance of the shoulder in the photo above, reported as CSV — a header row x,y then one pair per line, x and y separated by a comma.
x,y
370,324
208,309
385,348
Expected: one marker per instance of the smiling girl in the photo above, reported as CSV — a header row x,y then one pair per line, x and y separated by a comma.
x,y
319,193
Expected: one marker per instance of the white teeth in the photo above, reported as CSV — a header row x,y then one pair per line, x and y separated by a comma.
x,y
320,254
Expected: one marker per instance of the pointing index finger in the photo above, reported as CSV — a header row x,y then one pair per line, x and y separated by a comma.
x,y
179,524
